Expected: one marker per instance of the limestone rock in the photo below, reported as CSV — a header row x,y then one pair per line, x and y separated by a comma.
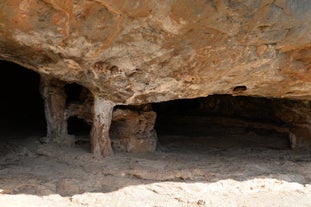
x,y
132,131
136,52
139,52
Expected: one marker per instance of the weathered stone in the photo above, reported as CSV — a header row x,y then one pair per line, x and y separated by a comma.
x,y
68,187
300,137
81,108
153,51
100,140
288,118
54,96
133,131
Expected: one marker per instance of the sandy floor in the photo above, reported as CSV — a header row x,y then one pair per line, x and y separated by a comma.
x,y
32,174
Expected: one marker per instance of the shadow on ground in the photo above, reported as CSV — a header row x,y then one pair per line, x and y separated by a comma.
x,y
28,167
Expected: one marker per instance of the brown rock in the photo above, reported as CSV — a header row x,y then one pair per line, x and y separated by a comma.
x,y
68,187
152,51
155,51
133,131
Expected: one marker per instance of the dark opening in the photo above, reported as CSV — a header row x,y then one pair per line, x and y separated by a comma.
x,y
21,105
78,126
73,92
79,102
239,89
221,121
80,129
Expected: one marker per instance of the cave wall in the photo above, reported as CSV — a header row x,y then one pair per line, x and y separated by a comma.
x,y
132,130
134,52
119,128
138,52
288,117
257,109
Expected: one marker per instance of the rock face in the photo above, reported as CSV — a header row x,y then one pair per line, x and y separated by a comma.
x,y
137,52
280,117
133,131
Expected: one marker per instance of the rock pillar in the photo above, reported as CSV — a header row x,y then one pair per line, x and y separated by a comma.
x,y
100,140
53,93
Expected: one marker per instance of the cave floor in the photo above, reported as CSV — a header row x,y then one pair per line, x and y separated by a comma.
x,y
178,174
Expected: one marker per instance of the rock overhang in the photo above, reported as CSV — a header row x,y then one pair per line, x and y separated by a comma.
x,y
150,51
140,52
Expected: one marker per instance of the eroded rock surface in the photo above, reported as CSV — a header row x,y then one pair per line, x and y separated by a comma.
x,y
284,118
134,52
133,131
138,52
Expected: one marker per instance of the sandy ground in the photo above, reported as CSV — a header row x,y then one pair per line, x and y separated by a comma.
x,y
186,175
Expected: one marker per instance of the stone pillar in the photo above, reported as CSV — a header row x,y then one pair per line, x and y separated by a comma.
x,y
53,93
100,140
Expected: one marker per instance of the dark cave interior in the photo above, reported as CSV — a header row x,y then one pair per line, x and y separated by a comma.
x,y
222,121
213,121
81,99
73,92
78,127
21,105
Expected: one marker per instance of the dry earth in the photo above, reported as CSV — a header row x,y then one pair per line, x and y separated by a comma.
x,y
191,174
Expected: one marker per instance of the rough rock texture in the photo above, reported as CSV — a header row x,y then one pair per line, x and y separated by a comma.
x,y
54,96
137,52
133,131
133,52
132,126
287,118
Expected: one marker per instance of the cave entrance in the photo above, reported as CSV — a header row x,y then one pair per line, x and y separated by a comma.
x,y
222,121
21,105
79,104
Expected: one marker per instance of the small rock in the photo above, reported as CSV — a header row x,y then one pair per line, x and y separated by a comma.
x,y
68,187
201,202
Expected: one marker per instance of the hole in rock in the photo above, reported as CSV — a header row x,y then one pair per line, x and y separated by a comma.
x,y
21,105
79,104
222,121
80,128
73,92
239,88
